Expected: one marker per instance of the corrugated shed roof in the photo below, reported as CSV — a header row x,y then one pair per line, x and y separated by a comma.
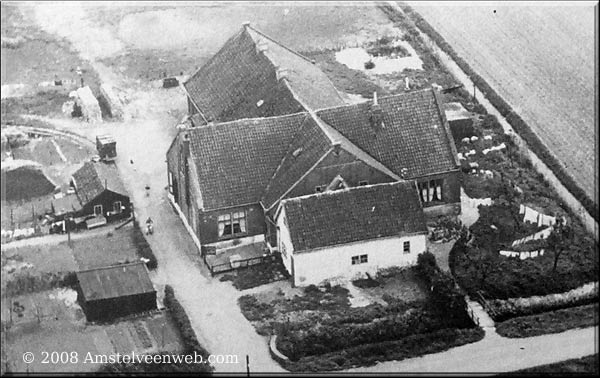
x,y
242,80
115,281
415,136
355,214
93,178
236,160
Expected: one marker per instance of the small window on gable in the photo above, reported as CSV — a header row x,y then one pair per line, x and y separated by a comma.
x,y
363,183
406,247
364,259
355,260
319,189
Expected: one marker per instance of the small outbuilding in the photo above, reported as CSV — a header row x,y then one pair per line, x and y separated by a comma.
x,y
115,291
87,104
459,119
106,146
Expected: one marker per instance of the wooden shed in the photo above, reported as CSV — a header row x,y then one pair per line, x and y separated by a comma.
x,y
106,146
115,291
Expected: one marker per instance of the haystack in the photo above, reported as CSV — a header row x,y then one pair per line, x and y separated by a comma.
x,y
90,109
113,103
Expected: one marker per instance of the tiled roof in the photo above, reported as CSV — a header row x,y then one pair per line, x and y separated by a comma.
x,y
235,160
115,281
309,145
93,178
242,81
355,214
415,136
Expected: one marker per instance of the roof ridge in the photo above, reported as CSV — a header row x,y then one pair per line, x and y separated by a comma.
x,y
111,266
370,100
279,43
226,123
345,190
284,156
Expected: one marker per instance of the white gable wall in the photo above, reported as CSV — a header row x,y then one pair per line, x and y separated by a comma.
x,y
284,241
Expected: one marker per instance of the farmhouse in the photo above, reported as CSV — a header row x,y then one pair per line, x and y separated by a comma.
x,y
368,228
115,291
100,194
228,176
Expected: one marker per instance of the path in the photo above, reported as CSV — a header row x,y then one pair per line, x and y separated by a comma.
x,y
144,139
211,304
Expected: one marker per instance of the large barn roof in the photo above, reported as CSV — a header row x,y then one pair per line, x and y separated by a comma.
x,y
354,214
255,76
115,281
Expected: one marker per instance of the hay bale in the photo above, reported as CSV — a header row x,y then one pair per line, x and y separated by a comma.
x,y
87,102
113,102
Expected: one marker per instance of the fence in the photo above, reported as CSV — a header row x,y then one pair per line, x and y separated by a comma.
x,y
238,264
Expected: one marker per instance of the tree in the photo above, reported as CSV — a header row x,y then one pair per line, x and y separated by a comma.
x,y
559,240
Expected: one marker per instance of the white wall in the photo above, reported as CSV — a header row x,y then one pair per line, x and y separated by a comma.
x,y
284,242
336,262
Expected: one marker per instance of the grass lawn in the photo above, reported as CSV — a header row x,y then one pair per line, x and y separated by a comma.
x,y
114,247
319,329
578,366
549,322
40,258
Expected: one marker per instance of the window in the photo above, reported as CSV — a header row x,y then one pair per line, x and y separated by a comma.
x,y
232,223
170,182
98,210
319,189
360,259
431,190
406,247
363,183
117,207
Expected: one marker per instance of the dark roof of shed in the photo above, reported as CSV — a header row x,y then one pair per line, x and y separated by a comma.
x,y
354,214
235,160
93,178
115,281
244,73
415,137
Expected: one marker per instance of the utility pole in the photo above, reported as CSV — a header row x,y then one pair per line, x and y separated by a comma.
x,y
474,91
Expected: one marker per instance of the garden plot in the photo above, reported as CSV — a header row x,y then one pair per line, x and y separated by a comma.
x,y
51,321
323,328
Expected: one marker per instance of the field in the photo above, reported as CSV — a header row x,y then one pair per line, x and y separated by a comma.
x,y
110,248
540,60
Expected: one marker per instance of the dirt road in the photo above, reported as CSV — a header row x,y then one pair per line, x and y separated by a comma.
x,y
142,142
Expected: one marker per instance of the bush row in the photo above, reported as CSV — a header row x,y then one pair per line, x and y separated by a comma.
x,y
520,126
143,248
550,322
513,307
30,283
369,354
190,341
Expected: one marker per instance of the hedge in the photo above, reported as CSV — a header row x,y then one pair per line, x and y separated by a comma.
x,y
520,126
29,283
514,307
143,248
190,341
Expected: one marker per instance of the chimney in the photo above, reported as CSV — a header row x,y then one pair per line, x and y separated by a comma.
x,y
186,144
262,46
246,24
282,73
376,114
105,184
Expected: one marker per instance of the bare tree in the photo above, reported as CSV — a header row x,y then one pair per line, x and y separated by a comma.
x,y
559,241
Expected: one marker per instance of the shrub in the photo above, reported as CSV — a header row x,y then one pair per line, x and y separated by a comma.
x,y
143,248
480,109
190,341
30,283
513,307
369,65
